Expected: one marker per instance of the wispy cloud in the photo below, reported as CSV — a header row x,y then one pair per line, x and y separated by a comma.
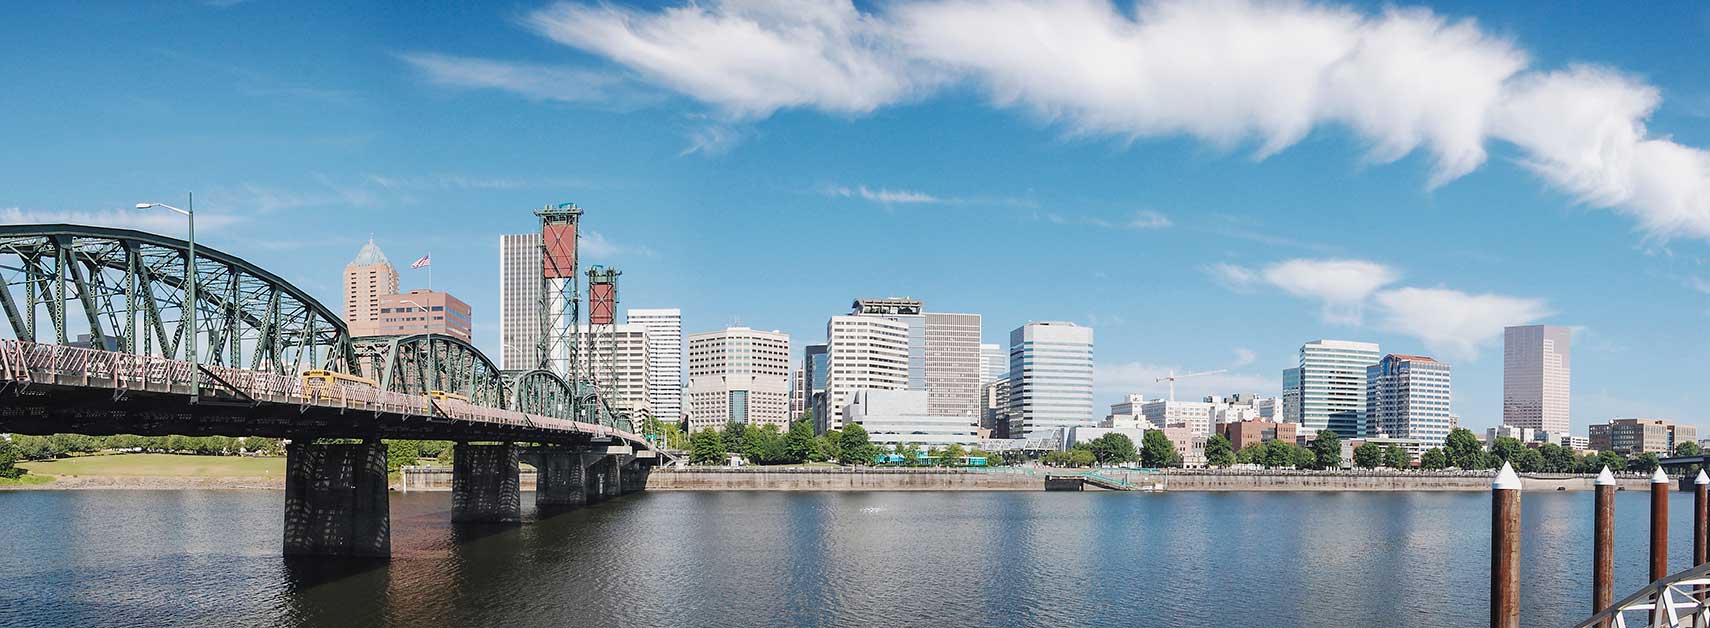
x,y
1148,219
882,195
1341,285
539,82
1244,357
712,139
156,221
1404,80
597,246
1141,220
1141,377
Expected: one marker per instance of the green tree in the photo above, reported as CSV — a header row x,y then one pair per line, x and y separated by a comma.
x,y
1557,459
1505,448
1156,450
1395,457
1326,450
1643,463
800,442
707,447
1529,460
1686,448
1217,451
1055,459
1251,454
909,452
1615,461
9,459
735,435
951,456
831,445
264,446
1302,457
1434,459
1114,448
1082,458
400,453
1368,455
1463,449
854,446
764,445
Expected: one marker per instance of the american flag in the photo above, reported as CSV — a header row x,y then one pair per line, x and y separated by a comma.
x,y
424,261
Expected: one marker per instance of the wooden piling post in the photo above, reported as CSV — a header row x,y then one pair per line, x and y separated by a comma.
x,y
1603,545
1659,531
1505,549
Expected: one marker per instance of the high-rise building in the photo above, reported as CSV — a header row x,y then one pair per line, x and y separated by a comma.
x,y
1407,396
1536,369
994,416
424,312
1194,415
739,374
620,370
953,365
366,279
1328,390
519,301
906,311
815,366
665,359
994,362
862,352
1051,379
798,394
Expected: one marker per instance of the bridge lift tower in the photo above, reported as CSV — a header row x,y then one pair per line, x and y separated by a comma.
x,y
602,333
560,303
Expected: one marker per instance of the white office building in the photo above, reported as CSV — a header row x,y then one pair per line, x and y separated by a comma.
x,y
953,365
1193,415
1407,397
1328,389
1537,368
620,375
1130,413
1051,379
519,301
994,362
665,359
862,353
908,312
739,374
900,416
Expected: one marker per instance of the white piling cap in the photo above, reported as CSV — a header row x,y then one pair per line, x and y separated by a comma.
x,y
1605,478
1702,478
1659,477
1506,479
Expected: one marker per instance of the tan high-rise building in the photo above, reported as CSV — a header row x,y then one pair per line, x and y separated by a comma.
x,y
622,375
366,279
1537,368
424,312
739,374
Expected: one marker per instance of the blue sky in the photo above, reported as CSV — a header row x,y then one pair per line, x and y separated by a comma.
x,y
1206,184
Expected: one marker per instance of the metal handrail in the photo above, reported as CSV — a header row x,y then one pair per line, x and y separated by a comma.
x,y
126,371
1673,594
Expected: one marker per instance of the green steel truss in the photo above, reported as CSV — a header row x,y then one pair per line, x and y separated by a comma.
x,y
405,364
126,289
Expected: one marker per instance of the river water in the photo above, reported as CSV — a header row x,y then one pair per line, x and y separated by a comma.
x,y
205,558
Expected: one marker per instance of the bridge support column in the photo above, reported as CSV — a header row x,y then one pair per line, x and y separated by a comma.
x,y
614,475
335,500
559,478
484,484
635,476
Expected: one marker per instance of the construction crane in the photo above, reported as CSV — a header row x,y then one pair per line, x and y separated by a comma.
x,y
1172,377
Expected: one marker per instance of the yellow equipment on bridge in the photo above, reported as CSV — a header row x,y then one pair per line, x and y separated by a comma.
x,y
321,380
440,395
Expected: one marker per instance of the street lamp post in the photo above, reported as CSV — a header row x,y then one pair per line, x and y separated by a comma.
x,y
190,301
433,365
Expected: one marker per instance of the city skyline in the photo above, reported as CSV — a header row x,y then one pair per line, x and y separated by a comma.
x,y
1182,251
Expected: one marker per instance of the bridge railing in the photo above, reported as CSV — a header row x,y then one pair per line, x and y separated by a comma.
x,y
1671,602
21,361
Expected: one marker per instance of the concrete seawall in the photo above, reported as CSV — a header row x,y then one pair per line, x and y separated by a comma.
x,y
1033,479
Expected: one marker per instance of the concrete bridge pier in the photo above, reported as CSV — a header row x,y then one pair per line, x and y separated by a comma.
x,y
336,501
485,487
560,477
635,475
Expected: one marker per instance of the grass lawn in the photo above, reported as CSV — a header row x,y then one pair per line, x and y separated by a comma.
x,y
25,480
159,465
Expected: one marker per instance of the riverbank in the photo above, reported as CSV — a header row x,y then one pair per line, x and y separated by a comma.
x,y
153,472
1033,479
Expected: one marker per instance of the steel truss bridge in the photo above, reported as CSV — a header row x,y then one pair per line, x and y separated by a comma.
x,y
100,344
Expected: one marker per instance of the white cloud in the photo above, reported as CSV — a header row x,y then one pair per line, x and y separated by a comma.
x,y
1227,72
882,195
1148,219
1233,276
748,57
540,82
597,247
1244,356
155,220
1699,284
1452,323
1341,284
1140,377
